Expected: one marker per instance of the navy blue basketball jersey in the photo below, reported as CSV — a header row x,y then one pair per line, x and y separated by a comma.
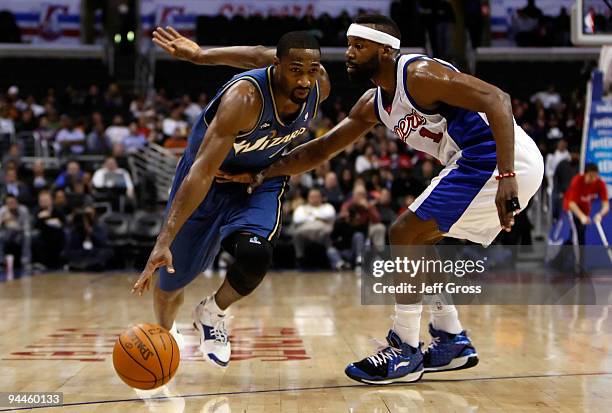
x,y
261,146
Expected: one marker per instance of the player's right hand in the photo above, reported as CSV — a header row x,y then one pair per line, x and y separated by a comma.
x,y
586,220
243,178
160,257
176,45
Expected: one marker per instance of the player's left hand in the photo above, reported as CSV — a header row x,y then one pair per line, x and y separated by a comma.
x,y
506,190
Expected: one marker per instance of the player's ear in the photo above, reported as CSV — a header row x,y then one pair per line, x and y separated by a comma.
x,y
276,61
386,51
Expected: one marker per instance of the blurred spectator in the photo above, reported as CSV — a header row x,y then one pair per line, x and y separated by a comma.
x,y
72,173
110,176
27,122
45,132
15,231
385,208
562,178
134,141
60,202
366,161
174,124
69,139
178,140
331,191
117,132
426,172
12,156
583,189
97,141
39,180
358,221
143,127
139,108
113,100
118,152
549,98
7,126
13,186
87,246
192,109
313,222
48,243
94,101
79,197
552,161
346,180
37,110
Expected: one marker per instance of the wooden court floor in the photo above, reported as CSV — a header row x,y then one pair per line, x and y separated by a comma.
x,y
292,339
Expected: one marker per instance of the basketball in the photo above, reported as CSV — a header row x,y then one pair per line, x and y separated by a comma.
x,y
146,356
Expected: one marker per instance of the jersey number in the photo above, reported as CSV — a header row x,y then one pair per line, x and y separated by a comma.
x,y
426,133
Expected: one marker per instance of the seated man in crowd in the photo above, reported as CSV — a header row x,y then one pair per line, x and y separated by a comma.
x,y
15,232
314,222
48,243
110,176
13,186
72,173
87,246
358,221
70,140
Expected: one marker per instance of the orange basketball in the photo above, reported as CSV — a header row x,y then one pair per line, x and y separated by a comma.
x,y
146,356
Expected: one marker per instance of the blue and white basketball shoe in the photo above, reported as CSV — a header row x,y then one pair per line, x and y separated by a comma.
x,y
396,363
449,352
214,338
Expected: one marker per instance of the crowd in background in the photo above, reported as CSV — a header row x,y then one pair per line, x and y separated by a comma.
x,y
341,206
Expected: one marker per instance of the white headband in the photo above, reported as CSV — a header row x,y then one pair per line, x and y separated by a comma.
x,y
374,35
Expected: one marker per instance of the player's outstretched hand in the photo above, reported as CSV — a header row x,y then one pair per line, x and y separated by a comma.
x,y
176,44
507,189
160,257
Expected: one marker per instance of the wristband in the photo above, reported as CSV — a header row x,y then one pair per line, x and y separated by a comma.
x,y
505,175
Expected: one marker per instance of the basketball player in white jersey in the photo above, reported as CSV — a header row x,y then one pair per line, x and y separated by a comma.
x,y
491,168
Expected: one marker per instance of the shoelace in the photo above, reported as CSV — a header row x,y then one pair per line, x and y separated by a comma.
x,y
219,331
434,343
382,357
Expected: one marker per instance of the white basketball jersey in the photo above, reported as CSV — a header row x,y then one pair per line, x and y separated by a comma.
x,y
441,134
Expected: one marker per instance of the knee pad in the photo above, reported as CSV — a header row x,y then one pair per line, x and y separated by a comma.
x,y
253,256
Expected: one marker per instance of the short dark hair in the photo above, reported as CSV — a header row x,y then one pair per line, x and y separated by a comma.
x,y
8,196
591,167
380,22
296,40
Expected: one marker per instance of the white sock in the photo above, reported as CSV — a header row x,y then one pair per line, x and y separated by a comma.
x,y
445,317
211,306
407,322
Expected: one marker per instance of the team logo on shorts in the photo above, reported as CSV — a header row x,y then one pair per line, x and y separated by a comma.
x,y
408,124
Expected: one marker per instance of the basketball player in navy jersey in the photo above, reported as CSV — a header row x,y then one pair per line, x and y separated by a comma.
x,y
491,168
245,128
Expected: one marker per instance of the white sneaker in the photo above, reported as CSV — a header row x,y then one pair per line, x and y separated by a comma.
x,y
214,339
178,337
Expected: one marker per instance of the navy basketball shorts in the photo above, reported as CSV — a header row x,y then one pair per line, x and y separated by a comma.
x,y
227,209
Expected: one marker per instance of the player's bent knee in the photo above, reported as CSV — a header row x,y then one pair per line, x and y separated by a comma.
x,y
253,257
